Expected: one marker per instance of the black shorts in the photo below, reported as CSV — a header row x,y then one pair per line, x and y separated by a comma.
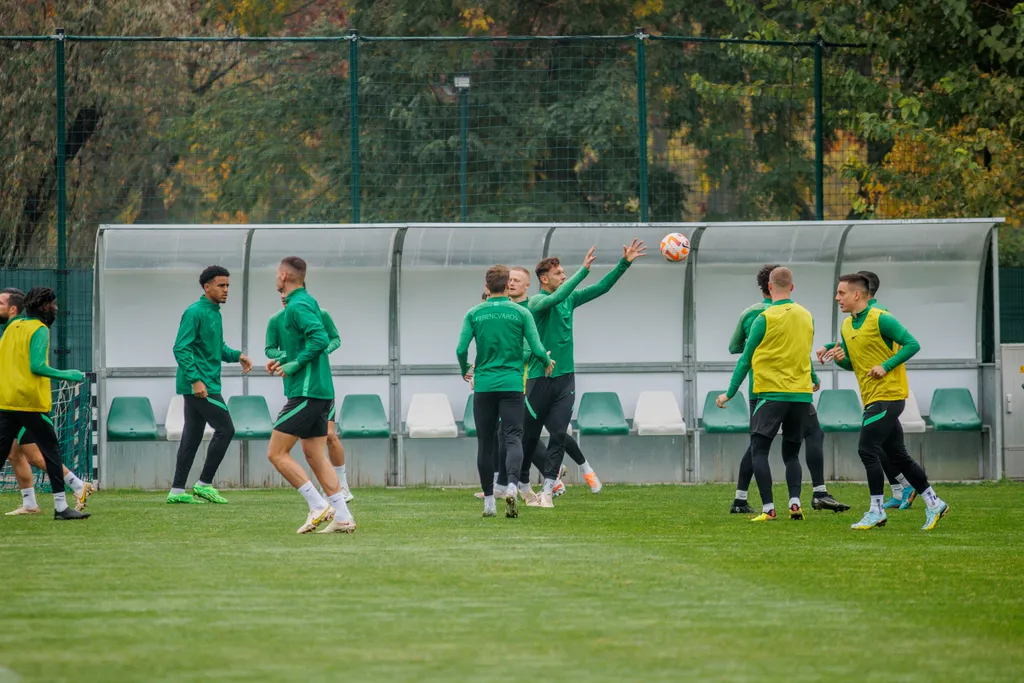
x,y
25,438
305,418
797,420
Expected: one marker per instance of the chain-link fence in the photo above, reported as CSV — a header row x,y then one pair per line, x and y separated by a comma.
x,y
367,129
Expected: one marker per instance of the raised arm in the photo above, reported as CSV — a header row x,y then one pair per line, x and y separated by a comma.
x,y
754,339
333,338
188,332
462,349
602,287
38,349
543,303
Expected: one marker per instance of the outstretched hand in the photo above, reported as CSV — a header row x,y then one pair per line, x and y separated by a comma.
x,y
722,400
635,250
590,257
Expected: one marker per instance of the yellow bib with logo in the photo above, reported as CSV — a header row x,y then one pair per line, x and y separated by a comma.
x,y
866,349
782,361
20,390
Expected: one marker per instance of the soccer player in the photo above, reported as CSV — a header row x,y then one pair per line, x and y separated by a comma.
x,y
499,328
199,350
518,291
273,351
778,350
25,453
868,347
815,442
551,398
903,494
25,394
309,388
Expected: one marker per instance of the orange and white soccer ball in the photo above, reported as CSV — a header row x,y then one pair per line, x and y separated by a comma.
x,y
675,247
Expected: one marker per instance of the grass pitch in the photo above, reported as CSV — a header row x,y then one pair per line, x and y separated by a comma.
x,y
636,584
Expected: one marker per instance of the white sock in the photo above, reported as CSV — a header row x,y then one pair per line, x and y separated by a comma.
x,y
549,485
903,480
794,501
177,492
768,507
489,503
312,496
342,477
60,502
337,502
587,469
897,490
202,483
876,505
821,489
73,482
931,499
28,498
524,486
499,490
495,477
741,495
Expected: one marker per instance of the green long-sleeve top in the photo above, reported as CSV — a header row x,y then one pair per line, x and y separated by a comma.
x,y
273,349
872,303
893,332
758,327
199,348
555,323
742,331
305,342
539,304
499,327
38,355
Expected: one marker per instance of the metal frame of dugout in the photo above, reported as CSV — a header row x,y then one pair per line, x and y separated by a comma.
x,y
398,293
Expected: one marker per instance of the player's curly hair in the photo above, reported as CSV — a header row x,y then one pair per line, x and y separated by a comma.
x,y
211,273
37,299
763,275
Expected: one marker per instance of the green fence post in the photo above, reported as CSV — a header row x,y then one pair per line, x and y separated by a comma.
x,y
819,133
353,87
61,351
462,85
641,103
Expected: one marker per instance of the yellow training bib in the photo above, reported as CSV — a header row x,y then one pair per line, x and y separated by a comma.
x,y
20,390
782,361
866,349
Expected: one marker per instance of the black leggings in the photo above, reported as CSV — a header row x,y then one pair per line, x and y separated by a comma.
x,y
550,401
488,407
41,427
882,447
200,412
814,454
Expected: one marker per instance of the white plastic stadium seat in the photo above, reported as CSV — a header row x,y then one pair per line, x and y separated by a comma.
x,y
175,422
911,418
430,417
658,414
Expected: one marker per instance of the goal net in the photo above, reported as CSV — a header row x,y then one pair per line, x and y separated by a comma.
x,y
72,419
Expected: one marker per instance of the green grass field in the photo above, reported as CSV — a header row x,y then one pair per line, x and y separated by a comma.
x,y
636,584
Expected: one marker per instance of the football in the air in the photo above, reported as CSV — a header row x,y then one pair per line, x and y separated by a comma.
x,y
675,247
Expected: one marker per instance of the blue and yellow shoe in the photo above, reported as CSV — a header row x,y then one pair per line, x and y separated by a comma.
x,y
870,521
932,517
909,495
893,503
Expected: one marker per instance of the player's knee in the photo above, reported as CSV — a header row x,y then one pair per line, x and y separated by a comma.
x,y
225,431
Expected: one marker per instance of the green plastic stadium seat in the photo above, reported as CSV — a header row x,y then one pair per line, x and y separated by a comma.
x,y
839,410
601,413
251,417
733,419
953,410
469,419
362,417
131,419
